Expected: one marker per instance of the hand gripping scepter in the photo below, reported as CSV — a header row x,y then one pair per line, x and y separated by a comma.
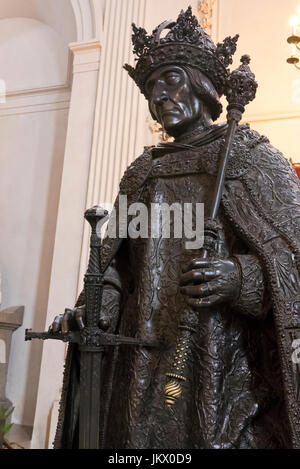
x,y
240,90
91,340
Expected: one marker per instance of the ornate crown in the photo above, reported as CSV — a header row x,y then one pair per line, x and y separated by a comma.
x,y
187,44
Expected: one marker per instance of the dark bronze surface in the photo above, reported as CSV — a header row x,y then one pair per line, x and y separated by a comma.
x,y
90,339
240,90
241,302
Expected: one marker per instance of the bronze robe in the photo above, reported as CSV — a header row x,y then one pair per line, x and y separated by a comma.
x,y
241,385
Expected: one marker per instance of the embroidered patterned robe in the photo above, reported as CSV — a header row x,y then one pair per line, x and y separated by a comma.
x,y
242,388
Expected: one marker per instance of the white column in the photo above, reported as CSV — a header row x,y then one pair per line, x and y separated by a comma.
x,y
69,230
121,111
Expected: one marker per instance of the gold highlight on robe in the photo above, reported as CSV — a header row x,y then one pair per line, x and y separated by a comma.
x,y
294,40
173,389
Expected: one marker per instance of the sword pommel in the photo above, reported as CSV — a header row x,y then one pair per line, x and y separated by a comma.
x,y
94,215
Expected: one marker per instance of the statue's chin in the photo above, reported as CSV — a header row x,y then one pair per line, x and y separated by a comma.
x,y
178,128
176,124
175,127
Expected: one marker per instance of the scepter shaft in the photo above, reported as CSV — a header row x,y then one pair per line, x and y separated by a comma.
x,y
222,170
173,389
240,90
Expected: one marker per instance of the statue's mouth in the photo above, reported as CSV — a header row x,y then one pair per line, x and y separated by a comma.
x,y
170,112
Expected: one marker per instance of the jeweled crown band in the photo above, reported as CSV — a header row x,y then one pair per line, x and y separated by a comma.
x,y
168,54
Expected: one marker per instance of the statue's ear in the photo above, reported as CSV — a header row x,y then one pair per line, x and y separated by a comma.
x,y
154,117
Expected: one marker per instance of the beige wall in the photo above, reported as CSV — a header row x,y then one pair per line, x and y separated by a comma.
x,y
34,63
264,27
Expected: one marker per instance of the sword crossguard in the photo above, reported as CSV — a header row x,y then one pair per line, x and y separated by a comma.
x,y
101,339
72,337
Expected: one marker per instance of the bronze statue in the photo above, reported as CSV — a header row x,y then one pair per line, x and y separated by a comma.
x,y
240,302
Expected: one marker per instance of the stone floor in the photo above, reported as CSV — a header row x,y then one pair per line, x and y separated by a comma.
x,y
21,435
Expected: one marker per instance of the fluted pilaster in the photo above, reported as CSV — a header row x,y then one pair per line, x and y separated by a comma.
x,y
120,111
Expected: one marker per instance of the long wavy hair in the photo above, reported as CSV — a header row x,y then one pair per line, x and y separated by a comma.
x,y
205,90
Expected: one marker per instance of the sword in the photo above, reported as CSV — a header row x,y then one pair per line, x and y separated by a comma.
x,y
91,340
240,91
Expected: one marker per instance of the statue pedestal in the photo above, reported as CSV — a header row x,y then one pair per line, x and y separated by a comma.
x,y
10,320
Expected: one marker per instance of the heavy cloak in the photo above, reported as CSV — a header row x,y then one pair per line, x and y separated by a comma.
x,y
261,205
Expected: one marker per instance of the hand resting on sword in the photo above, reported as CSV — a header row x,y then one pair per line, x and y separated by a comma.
x,y
74,319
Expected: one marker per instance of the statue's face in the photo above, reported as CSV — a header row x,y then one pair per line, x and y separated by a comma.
x,y
172,100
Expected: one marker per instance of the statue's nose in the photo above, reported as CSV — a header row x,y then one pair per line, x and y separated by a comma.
x,y
159,95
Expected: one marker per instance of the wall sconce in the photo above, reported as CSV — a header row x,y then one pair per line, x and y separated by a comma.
x,y
294,40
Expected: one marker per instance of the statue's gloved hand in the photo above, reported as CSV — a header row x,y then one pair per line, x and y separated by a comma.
x,y
209,282
110,310
74,319
71,320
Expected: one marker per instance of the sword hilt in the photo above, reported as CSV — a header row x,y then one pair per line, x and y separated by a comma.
x,y
72,336
91,338
93,280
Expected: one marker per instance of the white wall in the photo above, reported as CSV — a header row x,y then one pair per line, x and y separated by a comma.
x,y
33,122
264,28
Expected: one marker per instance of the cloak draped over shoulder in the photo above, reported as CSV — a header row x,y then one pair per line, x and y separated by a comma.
x,y
243,389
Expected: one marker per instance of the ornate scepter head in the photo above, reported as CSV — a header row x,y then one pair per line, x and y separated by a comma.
x,y
240,89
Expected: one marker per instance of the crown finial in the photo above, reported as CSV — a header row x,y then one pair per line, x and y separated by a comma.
x,y
246,59
226,49
140,40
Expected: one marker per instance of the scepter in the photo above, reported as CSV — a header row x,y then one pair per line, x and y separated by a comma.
x,y
240,90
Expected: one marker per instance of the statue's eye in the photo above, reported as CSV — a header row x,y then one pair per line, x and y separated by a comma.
x,y
172,78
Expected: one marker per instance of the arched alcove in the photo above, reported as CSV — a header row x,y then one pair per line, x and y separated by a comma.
x,y
37,33
57,14
34,42
32,55
85,17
